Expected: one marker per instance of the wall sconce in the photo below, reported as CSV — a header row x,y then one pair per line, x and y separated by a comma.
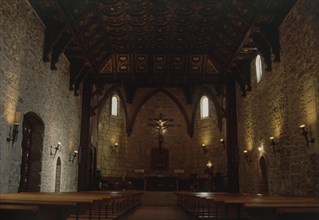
x,y
209,165
222,142
204,148
247,157
114,147
56,149
71,159
273,144
14,129
305,133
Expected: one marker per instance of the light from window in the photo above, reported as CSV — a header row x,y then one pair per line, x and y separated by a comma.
x,y
259,69
114,107
204,107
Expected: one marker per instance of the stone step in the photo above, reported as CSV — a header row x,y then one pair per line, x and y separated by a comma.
x,y
153,198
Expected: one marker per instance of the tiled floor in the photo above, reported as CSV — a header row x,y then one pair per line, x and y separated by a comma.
x,y
157,213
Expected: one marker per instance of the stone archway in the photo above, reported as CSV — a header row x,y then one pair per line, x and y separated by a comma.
x,y
58,175
31,159
263,181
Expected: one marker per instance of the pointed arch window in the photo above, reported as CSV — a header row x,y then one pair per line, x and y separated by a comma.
x,y
259,69
115,105
204,107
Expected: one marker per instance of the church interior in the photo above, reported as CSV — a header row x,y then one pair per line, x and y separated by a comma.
x,y
182,109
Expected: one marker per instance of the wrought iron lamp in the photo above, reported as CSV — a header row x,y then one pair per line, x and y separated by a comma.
x,y
305,133
114,147
209,165
71,159
14,129
274,144
222,142
56,149
246,156
204,148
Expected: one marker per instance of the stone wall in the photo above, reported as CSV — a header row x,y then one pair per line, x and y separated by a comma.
x,y
134,151
28,85
286,97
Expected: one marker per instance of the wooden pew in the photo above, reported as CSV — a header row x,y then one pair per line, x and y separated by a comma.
x,y
269,209
53,205
121,204
16,212
236,206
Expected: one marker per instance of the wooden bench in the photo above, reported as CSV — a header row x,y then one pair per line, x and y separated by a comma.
x,y
17,212
239,206
52,205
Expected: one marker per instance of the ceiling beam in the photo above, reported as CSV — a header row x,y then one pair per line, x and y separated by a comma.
x,y
75,37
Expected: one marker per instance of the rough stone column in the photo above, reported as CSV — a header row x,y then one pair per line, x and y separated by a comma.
x,y
232,146
84,166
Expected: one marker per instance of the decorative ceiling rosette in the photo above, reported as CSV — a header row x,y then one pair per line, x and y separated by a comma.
x,y
134,1
160,11
209,11
121,48
117,32
112,11
180,39
119,41
183,21
160,39
159,22
212,1
136,22
109,2
136,10
184,11
139,47
139,39
137,31
206,22
200,41
159,1
181,30
113,22
202,31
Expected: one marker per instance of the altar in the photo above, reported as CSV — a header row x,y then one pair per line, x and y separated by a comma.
x,y
161,183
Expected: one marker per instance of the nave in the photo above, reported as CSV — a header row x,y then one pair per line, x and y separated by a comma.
x,y
132,205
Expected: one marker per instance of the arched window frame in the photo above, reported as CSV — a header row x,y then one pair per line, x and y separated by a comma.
x,y
115,105
204,107
259,68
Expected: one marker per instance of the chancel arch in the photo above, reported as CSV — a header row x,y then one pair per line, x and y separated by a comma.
x,y
170,96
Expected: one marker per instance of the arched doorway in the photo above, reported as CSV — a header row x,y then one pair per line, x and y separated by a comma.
x,y
58,175
31,159
263,184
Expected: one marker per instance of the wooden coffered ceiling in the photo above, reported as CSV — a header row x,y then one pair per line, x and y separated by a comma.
x,y
146,42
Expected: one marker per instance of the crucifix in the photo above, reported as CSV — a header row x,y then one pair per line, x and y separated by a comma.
x,y
160,124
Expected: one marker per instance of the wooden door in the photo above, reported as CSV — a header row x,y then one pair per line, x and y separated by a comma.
x,y
26,156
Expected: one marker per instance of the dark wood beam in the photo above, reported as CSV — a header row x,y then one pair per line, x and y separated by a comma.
x,y
271,33
53,31
76,38
264,48
76,67
85,142
129,91
243,42
145,79
58,48
232,145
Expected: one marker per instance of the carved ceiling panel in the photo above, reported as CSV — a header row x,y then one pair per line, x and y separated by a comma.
x,y
164,37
